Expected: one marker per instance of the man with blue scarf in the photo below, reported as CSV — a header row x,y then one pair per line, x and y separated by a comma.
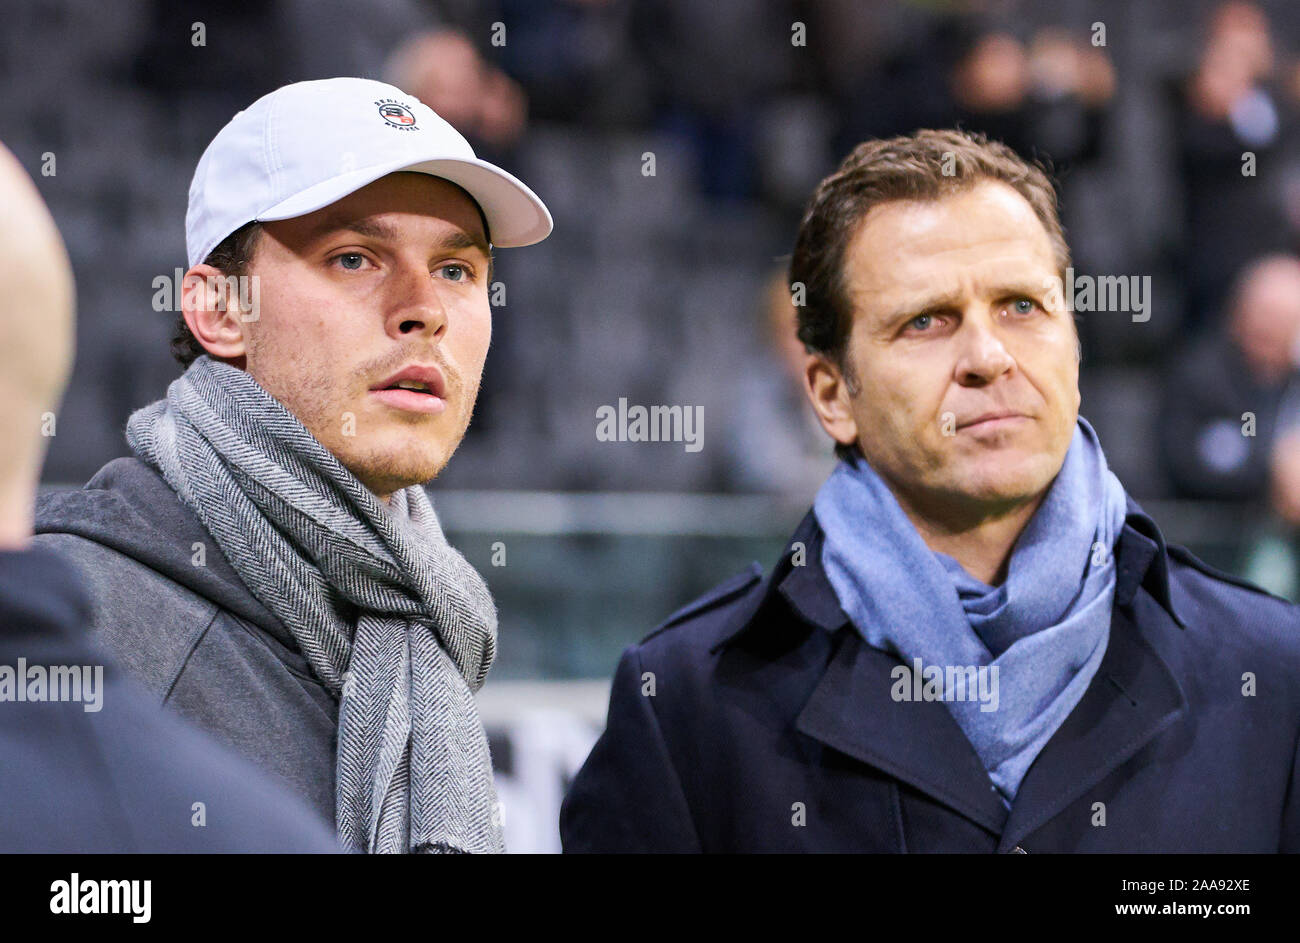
x,y
976,641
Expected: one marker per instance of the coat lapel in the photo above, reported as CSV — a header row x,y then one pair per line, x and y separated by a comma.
x,y
852,710
1132,699
916,742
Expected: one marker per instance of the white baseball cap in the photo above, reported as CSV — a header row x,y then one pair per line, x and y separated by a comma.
x,y
309,144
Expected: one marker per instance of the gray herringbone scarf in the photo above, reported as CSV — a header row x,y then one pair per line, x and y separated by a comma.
x,y
394,621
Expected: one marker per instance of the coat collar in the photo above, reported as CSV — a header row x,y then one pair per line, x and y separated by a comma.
x,y
1130,700
1142,559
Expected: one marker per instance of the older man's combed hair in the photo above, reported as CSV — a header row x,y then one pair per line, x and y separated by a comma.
x,y
924,165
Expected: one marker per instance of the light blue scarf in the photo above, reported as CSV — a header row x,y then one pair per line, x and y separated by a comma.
x,y
1035,641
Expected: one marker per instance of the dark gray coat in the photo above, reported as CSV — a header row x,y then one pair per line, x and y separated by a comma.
x,y
171,609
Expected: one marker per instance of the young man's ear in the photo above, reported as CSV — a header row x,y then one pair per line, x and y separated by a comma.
x,y
829,392
211,303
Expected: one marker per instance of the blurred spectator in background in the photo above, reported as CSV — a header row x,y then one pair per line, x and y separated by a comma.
x,y
1046,96
1225,398
444,70
711,98
577,58
774,436
1228,111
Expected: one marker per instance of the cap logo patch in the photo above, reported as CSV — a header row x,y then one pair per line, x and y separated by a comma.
x,y
396,114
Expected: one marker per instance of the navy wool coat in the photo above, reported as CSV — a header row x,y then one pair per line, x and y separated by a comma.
x,y
757,719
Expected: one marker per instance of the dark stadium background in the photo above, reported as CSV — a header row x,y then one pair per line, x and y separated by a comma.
x,y
660,289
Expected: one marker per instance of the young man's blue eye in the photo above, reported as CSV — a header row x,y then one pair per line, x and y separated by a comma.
x,y
1024,306
921,322
348,258
454,273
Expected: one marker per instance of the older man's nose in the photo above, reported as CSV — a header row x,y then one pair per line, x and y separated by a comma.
x,y
983,357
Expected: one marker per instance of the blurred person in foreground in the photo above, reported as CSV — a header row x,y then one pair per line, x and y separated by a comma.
x,y
975,641
268,562
87,763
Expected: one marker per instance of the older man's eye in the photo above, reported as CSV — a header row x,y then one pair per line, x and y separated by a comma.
x,y
926,324
454,273
1023,306
352,261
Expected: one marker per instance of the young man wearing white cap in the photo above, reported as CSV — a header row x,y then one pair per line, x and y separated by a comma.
x,y
267,561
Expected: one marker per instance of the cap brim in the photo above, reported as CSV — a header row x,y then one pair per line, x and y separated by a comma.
x,y
516,216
